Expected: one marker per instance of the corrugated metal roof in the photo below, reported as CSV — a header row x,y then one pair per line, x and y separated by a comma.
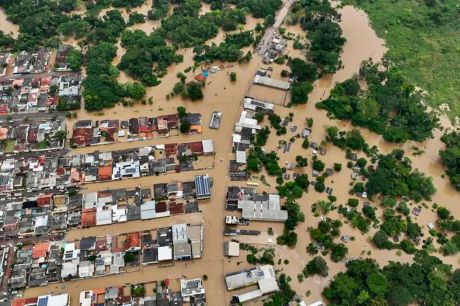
x,y
203,186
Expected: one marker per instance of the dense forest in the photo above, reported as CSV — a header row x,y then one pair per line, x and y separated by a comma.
x,y
426,281
390,105
450,157
422,37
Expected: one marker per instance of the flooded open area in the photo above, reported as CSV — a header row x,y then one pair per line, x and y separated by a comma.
x,y
226,96
7,26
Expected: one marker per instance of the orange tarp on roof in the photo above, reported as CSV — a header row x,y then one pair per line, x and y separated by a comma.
x,y
196,129
99,291
133,240
40,249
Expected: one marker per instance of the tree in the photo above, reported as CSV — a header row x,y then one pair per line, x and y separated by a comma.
x,y
135,90
319,184
369,212
318,165
388,202
337,167
394,177
302,70
407,246
194,91
178,88
358,187
233,76
353,202
288,238
338,252
74,59
185,126
450,157
301,161
302,181
181,111
259,116
443,213
60,135
376,110
316,266
128,257
399,296
361,162
377,283
300,91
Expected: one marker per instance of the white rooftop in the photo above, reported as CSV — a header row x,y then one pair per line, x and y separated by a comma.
x,y
269,82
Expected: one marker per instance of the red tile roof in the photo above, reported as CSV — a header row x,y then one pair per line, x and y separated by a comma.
x,y
44,200
40,249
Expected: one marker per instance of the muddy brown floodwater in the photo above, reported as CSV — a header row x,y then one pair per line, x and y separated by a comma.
x,y
7,26
226,97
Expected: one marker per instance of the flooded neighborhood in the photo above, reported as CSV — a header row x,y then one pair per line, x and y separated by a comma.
x,y
156,201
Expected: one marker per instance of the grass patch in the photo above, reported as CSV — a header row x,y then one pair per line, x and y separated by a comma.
x,y
423,41
9,146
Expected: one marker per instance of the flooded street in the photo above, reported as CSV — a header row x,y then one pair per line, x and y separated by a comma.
x,y
224,96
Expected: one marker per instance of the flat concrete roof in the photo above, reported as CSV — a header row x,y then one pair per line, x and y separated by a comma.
x,y
274,83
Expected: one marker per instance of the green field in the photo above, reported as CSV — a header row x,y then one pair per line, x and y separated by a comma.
x,y
423,37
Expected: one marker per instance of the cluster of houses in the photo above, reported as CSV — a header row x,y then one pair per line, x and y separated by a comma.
x,y
43,300
89,133
50,172
274,49
34,62
166,292
52,261
26,62
159,293
30,88
51,214
245,129
41,93
32,135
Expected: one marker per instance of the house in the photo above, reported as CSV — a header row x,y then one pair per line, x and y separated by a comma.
x,y
203,187
263,276
192,290
133,242
61,58
262,207
231,249
269,82
182,249
4,60
255,105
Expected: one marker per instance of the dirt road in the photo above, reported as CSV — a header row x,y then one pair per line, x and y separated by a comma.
x,y
270,33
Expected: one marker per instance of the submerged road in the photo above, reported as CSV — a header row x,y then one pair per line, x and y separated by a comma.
x,y
270,33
